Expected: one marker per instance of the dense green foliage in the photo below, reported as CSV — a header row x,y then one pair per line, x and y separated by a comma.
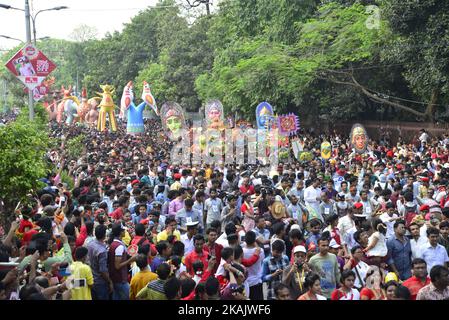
x,y
22,160
341,59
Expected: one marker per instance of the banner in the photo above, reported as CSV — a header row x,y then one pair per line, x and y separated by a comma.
x,y
30,66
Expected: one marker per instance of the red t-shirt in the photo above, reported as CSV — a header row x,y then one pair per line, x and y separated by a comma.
x,y
247,189
117,214
366,292
192,257
414,285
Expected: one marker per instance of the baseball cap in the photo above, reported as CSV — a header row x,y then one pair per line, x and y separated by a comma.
x,y
334,244
358,205
134,182
177,176
424,207
299,249
295,226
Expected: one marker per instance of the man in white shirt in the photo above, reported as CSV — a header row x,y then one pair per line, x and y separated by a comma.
x,y
368,207
312,195
345,223
187,238
433,253
416,241
254,277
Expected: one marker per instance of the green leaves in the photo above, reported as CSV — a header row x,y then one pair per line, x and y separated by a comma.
x,y
24,145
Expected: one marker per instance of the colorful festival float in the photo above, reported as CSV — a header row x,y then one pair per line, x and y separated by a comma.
x,y
267,135
134,114
173,120
288,125
68,107
84,107
359,138
212,142
107,107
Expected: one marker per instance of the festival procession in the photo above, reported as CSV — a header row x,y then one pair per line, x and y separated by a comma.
x,y
118,191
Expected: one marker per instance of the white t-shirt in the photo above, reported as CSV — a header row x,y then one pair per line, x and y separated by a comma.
x,y
380,249
386,219
255,271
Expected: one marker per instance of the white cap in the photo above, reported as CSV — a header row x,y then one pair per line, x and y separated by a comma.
x,y
299,249
295,226
334,244
191,223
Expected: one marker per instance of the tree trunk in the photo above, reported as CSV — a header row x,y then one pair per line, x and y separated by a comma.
x,y
430,110
208,8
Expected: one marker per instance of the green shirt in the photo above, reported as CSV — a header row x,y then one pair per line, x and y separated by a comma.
x,y
329,271
67,257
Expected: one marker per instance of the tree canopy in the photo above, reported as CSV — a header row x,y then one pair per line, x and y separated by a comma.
x,y
342,59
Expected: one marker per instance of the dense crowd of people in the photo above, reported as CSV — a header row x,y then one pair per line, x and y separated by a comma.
x,y
133,226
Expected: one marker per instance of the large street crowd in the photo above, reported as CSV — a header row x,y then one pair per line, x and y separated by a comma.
x,y
133,226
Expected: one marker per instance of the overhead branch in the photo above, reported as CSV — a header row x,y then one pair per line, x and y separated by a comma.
x,y
366,91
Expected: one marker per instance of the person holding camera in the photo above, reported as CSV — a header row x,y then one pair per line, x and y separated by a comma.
x,y
294,275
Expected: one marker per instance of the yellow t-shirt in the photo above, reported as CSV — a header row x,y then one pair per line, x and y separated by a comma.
x,y
162,236
139,281
80,270
127,238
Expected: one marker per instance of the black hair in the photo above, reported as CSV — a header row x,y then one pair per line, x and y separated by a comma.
x,y
188,202
163,271
226,253
161,246
198,237
432,231
398,223
278,246
80,253
378,225
187,286
171,288
100,232
197,265
354,249
278,227
402,292
142,261
250,237
310,279
212,285
314,223
346,274
280,286
437,272
139,229
69,229
238,252
230,228
209,230
418,261
178,248
216,224
296,234
144,249
27,291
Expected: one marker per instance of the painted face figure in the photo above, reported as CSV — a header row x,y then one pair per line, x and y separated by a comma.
x,y
174,124
264,115
359,138
214,114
